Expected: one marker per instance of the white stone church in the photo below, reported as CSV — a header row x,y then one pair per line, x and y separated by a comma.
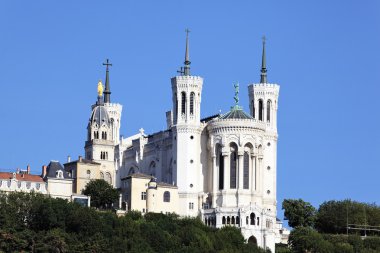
x,y
224,166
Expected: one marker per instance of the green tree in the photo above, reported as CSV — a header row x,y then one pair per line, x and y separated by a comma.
x,y
306,239
103,195
299,213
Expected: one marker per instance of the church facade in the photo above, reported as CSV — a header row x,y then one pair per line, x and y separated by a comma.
x,y
223,166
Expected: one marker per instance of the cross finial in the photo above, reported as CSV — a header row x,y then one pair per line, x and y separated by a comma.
x,y
186,68
264,39
107,63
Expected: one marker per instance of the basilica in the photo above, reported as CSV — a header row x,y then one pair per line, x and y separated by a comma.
x,y
221,168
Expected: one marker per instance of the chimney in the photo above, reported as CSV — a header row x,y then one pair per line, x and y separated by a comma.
x,y
80,158
44,167
68,158
28,169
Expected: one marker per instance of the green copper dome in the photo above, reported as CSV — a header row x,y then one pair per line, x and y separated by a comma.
x,y
236,113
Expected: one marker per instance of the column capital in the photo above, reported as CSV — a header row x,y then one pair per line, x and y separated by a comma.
x,y
240,152
225,153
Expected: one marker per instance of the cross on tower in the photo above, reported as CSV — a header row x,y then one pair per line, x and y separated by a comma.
x,y
187,31
107,64
264,39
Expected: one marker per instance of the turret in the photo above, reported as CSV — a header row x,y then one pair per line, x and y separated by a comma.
x,y
186,92
151,193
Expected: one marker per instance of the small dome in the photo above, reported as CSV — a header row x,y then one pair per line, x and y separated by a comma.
x,y
236,113
100,116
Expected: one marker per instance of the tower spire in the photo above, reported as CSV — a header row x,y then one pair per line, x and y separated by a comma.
x,y
186,69
263,78
107,91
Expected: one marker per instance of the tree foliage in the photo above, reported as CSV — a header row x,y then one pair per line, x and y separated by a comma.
x,y
37,223
299,213
103,195
333,216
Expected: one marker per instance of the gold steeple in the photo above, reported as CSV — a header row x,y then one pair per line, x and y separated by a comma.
x,y
100,88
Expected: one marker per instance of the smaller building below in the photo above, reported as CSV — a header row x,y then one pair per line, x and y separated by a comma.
x,y
143,193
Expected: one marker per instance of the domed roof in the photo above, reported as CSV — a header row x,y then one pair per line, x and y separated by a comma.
x,y
236,113
100,115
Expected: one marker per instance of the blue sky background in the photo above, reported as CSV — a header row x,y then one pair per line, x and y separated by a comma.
x,y
323,54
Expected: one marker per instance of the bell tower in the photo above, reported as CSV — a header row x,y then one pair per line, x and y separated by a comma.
x,y
263,99
186,95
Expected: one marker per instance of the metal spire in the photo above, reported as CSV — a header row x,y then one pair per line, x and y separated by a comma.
x,y
263,78
107,91
186,69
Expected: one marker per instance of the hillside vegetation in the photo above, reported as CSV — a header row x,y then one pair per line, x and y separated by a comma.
x,y
36,223
325,230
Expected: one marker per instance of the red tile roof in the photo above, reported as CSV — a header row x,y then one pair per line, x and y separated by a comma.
x,y
21,177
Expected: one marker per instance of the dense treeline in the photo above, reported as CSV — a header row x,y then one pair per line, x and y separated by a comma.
x,y
36,223
325,230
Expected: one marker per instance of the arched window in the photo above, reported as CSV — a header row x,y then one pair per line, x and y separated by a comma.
x,y
233,166
106,156
246,220
224,220
105,135
261,110
183,103
167,196
192,103
258,221
88,174
152,169
221,171
252,216
237,220
131,171
253,108
246,171
176,105
269,105
101,175
228,220
108,178
233,220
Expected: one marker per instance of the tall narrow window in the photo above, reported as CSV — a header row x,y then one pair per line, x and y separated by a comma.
x,y
246,171
88,174
253,217
221,172
192,103
253,108
269,105
183,103
261,110
166,196
233,161
176,107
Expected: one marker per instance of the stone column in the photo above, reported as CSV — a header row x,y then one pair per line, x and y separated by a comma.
x,y
214,181
260,175
226,161
241,170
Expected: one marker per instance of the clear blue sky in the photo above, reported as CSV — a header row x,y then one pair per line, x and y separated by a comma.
x,y
324,54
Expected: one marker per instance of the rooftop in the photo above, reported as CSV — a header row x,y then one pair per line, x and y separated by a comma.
x,y
236,112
